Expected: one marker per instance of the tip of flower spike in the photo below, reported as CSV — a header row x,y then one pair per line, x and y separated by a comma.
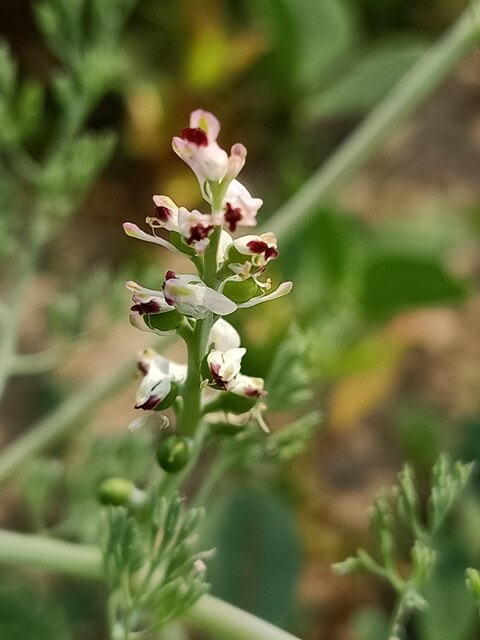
x,y
206,121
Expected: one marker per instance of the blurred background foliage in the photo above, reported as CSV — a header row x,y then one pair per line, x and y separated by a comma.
x,y
381,334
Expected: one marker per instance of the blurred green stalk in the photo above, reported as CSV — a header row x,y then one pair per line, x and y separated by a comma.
x,y
410,91
209,614
73,412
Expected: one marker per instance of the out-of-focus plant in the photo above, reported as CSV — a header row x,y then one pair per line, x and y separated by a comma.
x,y
448,481
42,184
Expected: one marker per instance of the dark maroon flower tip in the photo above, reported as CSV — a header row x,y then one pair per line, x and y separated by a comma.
x,y
255,393
143,308
258,246
170,275
199,232
196,136
150,403
232,217
142,367
162,213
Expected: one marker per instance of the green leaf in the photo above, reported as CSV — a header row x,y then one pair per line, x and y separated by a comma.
x,y
258,558
324,31
394,283
366,82
306,36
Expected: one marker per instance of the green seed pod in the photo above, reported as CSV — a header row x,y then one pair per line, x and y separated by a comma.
x,y
225,429
168,321
115,492
173,453
242,291
233,403
234,255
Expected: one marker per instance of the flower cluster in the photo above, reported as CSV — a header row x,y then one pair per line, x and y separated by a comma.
x,y
228,275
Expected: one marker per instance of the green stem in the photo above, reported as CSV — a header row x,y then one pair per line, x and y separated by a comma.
x,y
210,266
24,271
191,412
226,622
399,620
75,410
208,614
45,553
410,91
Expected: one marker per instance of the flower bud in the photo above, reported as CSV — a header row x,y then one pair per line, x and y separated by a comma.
x,y
168,321
173,453
116,492
233,403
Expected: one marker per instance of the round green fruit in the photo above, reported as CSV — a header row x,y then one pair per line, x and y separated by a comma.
x,y
168,321
173,453
115,492
241,291
234,403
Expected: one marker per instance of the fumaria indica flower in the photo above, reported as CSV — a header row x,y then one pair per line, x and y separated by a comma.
x,y
151,312
250,254
191,297
197,146
239,207
160,377
224,367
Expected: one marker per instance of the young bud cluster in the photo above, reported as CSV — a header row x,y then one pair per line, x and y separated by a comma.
x,y
184,299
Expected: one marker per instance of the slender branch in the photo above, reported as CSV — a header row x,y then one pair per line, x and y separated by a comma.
x,y
190,415
208,614
227,622
399,619
31,363
75,409
410,91
28,550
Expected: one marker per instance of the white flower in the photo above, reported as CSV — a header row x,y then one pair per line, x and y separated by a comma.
x,y
223,336
250,254
165,214
239,207
248,387
191,297
195,227
197,146
147,303
160,374
224,366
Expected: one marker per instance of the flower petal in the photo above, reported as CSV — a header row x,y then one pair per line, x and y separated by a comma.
x,y
223,336
134,231
283,290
